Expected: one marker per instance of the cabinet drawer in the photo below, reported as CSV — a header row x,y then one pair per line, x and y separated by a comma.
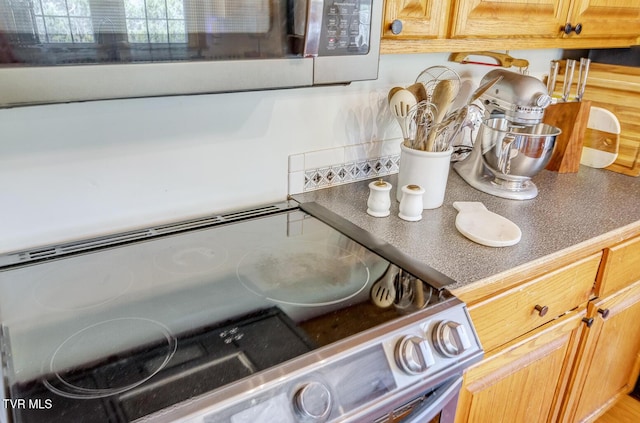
x,y
620,267
510,314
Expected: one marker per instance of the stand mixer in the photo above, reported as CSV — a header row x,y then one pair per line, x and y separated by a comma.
x,y
512,144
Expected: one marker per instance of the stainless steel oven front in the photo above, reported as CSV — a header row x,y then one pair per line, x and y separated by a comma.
x,y
261,315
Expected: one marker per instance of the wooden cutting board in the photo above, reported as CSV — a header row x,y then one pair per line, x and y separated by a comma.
x,y
617,89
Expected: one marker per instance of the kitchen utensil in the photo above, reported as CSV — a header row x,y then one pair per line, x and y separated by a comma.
x,y
383,291
553,76
583,74
418,90
485,227
400,103
517,152
483,88
431,76
512,148
617,88
571,118
420,123
404,292
392,91
568,79
443,94
600,146
469,119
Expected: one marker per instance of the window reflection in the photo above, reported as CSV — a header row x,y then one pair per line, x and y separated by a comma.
x,y
54,32
63,21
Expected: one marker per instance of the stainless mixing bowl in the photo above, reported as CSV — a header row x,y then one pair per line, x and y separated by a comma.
x,y
515,152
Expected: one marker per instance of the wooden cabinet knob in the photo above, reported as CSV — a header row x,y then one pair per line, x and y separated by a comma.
x,y
396,27
604,312
588,321
568,28
542,310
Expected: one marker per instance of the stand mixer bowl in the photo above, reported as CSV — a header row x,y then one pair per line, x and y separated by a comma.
x,y
513,152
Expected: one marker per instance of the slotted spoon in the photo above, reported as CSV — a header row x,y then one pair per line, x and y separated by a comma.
x,y
400,103
383,291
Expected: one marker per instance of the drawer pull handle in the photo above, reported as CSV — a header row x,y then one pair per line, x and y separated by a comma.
x,y
604,312
542,310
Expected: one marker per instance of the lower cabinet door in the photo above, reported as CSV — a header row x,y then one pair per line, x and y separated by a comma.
x,y
608,362
525,380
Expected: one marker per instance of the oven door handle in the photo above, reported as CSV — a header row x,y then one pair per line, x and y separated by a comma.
x,y
443,399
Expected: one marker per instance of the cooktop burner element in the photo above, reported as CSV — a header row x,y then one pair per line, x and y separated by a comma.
x,y
303,273
221,320
98,339
87,285
191,258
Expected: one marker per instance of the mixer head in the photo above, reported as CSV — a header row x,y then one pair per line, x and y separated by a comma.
x,y
518,98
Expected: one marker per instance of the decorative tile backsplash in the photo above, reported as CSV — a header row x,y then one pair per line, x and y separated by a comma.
x,y
341,165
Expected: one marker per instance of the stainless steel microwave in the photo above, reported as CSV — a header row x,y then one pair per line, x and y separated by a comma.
x,y
55,51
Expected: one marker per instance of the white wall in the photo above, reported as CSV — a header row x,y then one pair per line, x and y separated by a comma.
x,y
77,170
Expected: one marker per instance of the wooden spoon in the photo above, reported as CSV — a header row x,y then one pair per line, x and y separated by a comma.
x,y
443,94
419,91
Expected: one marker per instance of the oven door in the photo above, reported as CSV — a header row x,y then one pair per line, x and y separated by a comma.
x,y
439,405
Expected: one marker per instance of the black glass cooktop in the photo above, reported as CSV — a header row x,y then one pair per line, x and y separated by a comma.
x,y
116,331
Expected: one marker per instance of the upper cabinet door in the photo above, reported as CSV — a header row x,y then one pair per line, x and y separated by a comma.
x,y
606,18
509,18
417,19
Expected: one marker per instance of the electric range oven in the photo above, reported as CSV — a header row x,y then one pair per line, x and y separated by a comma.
x,y
273,314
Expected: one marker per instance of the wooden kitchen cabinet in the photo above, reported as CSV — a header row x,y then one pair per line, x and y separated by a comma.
x,y
473,25
602,19
516,311
523,380
509,19
422,19
620,267
598,19
608,358
570,366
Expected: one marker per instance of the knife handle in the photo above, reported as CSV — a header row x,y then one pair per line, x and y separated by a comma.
x,y
583,73
553,75
568,79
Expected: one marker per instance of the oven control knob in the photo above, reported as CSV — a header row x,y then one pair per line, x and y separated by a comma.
x,y
313,401
413,355
450,338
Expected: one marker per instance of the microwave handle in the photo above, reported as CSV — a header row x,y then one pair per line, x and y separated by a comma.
x,y
443,400
298,13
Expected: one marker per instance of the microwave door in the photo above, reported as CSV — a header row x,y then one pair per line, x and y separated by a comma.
x,y
122,49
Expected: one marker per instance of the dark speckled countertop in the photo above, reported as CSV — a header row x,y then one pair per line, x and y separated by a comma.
x,y
570,210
